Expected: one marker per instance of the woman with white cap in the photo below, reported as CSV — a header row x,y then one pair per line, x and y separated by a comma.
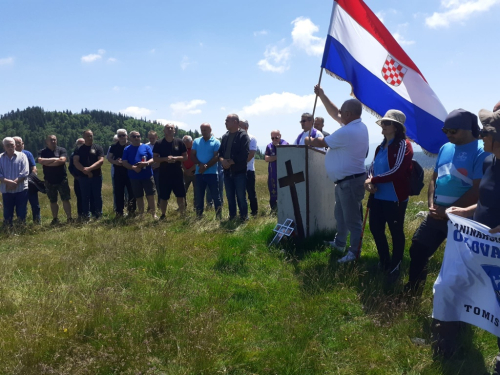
x,y
389,185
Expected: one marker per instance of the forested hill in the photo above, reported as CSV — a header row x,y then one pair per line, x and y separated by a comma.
x,y
33,125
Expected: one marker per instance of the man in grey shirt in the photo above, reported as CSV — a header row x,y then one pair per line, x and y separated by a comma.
x,y
14,171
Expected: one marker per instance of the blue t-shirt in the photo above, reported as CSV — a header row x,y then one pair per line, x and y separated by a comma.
x,y
134,154
31,160
456,168
385,191
205,152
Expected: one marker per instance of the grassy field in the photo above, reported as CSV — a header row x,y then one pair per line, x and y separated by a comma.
x,y
202,297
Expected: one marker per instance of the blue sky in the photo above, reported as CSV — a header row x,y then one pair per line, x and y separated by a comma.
x,y
194,62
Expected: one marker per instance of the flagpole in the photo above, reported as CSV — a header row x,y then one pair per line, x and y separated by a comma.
x,y
316,100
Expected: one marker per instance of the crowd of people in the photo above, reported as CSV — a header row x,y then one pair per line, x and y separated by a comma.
x,y
465,180
160,167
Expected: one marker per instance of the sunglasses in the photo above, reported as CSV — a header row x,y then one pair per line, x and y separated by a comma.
x,y
273,138
135,136
121,135
386,123
449,131
302,121
483,133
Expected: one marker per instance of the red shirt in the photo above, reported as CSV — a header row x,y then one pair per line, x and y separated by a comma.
x,y
188,163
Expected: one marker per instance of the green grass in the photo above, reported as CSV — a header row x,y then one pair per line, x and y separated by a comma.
x,y
199,297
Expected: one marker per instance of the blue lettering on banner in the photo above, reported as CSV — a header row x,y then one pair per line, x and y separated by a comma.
x,y
457,236
494,274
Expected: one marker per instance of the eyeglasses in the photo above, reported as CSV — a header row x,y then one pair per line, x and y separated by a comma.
x,y
135,136
273,138
122,135
449,131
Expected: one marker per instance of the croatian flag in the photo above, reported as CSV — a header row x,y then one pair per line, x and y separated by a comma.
x,y
360,50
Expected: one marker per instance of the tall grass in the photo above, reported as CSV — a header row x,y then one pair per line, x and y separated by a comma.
x,y
189,296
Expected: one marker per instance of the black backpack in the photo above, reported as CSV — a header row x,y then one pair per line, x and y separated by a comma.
x,y
416,178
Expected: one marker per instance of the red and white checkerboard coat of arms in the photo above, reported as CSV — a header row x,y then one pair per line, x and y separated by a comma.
x,y
393,72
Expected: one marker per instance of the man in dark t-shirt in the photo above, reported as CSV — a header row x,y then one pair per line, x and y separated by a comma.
x,y
88,159
53,159
122,181
170,152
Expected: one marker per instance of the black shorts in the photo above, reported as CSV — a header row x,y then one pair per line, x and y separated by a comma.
x,y
141,186
172,181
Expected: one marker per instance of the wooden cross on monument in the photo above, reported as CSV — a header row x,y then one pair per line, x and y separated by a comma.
x,y
290,180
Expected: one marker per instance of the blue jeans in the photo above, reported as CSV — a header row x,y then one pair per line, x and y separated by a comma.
x,y
349,196
236,190
17,201
35,206
91,187
203,181
210,201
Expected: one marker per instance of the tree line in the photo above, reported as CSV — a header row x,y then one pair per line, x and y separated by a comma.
x,y
33,124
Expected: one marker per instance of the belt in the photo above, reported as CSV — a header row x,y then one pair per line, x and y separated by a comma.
x,y
350,177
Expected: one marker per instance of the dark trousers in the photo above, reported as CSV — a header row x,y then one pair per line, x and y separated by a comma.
x,y
426,240
91,187
122,182
35,206
202,182
393,214
188,181
156,177
15,201
210,200
236,185
252,195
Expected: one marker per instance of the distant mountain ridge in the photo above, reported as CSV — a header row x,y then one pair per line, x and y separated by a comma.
x,y
33,124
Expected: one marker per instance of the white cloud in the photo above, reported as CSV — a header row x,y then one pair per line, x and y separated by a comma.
x,y
185,62
112,60
380,15
401,40
7,61
179,124
260,33
284,103
275,60
187,108
398,35
101,51
303,38
458,11
136,111
91,58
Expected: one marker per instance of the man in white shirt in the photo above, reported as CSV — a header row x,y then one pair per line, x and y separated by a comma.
x,y
345,165
307,123
252,195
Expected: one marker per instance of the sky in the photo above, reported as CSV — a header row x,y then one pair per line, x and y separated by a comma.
x,y
190,62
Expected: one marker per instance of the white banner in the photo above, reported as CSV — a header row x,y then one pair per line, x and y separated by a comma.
x,y
468,286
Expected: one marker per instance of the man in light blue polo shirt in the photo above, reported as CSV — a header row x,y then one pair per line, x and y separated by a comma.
x,y
205,155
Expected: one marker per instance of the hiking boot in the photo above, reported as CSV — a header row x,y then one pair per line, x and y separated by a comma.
x,y
55,221
393,275
350,257
334,246
496,368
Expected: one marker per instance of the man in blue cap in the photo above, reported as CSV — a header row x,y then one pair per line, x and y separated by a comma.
x,y
455,182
